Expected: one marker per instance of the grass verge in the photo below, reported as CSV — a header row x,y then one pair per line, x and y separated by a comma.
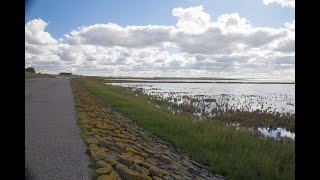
x,y
31,75
233,153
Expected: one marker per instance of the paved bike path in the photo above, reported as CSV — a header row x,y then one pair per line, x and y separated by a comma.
x,y
53,145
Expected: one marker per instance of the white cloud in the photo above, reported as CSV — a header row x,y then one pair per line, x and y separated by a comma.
x,y
233,23
196,46
291,25
40,47
35,34
192,20
114,35
283,3
194,32
286,45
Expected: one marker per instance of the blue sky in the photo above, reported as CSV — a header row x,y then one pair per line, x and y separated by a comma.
x,y
64,16
185,38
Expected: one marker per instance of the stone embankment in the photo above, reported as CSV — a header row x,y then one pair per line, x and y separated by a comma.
x,y
119,149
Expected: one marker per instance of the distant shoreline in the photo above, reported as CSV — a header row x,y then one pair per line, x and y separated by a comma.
x,y
152,81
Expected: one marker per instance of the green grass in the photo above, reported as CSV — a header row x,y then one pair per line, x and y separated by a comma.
x,y
31,75
79,116
236,154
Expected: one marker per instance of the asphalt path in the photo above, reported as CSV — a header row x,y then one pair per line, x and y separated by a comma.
x,y
54,148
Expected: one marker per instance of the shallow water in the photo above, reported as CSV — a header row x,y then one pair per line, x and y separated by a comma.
x,y
277,133
215,98
179,80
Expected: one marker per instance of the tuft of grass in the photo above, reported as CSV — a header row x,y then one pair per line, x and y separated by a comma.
x,y
94,175
80,117
235,154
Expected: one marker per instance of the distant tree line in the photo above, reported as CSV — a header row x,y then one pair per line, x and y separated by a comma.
x,y
65,73
30,69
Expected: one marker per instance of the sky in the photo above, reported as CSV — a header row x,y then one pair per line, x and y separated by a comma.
x,y
168,38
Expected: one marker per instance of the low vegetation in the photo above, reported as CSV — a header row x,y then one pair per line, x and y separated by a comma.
x,y
30,69
256,119
32,75
236,154
65,74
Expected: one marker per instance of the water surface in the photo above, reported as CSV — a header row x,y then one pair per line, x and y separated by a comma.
x,y
211,99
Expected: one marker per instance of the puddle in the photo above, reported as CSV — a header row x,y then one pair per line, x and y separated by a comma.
x,y
277,133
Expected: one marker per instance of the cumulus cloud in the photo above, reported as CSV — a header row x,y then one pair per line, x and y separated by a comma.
x,y
192,20
196,46
287,45
283,3
35,34
233,23
291,25
114,35
40,46
194,32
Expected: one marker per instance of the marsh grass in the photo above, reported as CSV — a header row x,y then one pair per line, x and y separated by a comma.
x,y
254,119
257,119
236,154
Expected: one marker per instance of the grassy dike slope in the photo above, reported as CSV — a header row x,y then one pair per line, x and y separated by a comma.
x,y
120,148
229,152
